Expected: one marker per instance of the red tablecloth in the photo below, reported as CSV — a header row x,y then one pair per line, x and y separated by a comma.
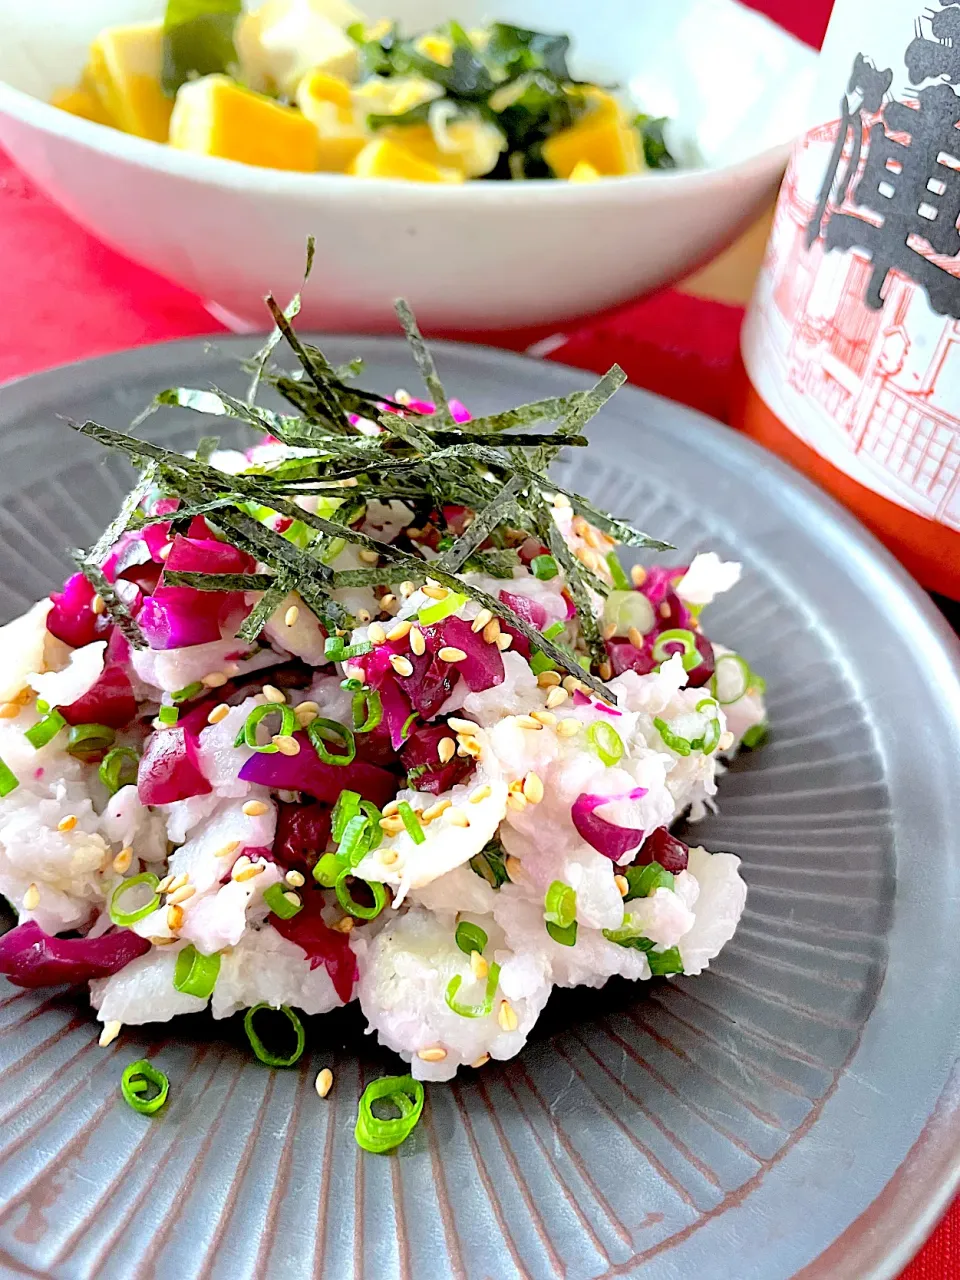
x,y
63,297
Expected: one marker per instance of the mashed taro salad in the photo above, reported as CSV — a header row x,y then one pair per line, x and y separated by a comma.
x,y
371,711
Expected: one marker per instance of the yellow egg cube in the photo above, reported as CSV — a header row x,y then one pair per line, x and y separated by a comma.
x,y
215,116
283,39
326,103
81,101
473,146
610,146
320,86
437,47
124,70
383,158
583,171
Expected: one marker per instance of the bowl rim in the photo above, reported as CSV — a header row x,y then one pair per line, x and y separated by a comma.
x,y
235,175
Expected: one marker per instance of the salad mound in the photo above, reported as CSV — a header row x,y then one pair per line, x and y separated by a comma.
x,y
371,711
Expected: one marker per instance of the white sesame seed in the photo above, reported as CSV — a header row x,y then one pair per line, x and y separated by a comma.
x,y
364,615
369,556
609,631
10,710
623,885
291,616
556,697
229,849
481,620
174,917
664,610
98,605
388,603
478,966
31,899
546,718
255,808
110,1032
635,638
273,694
324,1082
435,810
248,873
67,823
214,679
504,641
481,1061
286,744
401,665
345,925
606,670
457,818
528,722
568,728
435,593
295,878
165,551
481,794
548,679
292,898
516,801
388,857
468,746
507,1017
399,630
164,884
450,654
533,788
491,631
638,575
463,726
218,713
514,868
431,1055
376,633
308,707
418,644
177,881
726,741
407,589
157,941
561,500
183,894
121,862
445,749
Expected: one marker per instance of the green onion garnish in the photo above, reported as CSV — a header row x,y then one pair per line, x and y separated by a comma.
x,y
606,742
8,779
620,580
87,741
135,1082
319,729
644,880
45,730
441,609
405,731
288,726
406,1095
374,830
328,869
119,768
127,918
195,974
367,710
544,567
752,738
261,1050
470,938
664,962
353,844
351,684
473,1010
336,651
411,822
731,678
347,806
188,692
489,865
711,738
539,662
682,746
555,629
281,901
560,913
355,908
691,656
168,715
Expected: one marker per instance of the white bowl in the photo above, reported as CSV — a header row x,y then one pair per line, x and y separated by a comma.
x,y
480,255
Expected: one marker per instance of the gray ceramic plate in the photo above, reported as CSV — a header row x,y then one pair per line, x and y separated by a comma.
x,y
792,1112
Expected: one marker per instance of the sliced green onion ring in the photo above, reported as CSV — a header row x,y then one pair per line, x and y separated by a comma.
x,y
367,710
353,846
288,725
665,962
539,663
560,904
682,746
320,728
711,739
441,609
412,823
620,580
188,692
168,715
119,768
404,1093
607,743
690,654
374,830
136,1080
282,905
261,1050
731,678
87,741
347,807
328,868
351,684
195,974
544,567
354,908
405,731
565,937
127,918
473,1010
644,880
470,937
8,779
754,735
336,651
555,629
45,730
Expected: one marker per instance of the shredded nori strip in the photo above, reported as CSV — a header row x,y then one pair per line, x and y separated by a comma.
x,y
115,608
